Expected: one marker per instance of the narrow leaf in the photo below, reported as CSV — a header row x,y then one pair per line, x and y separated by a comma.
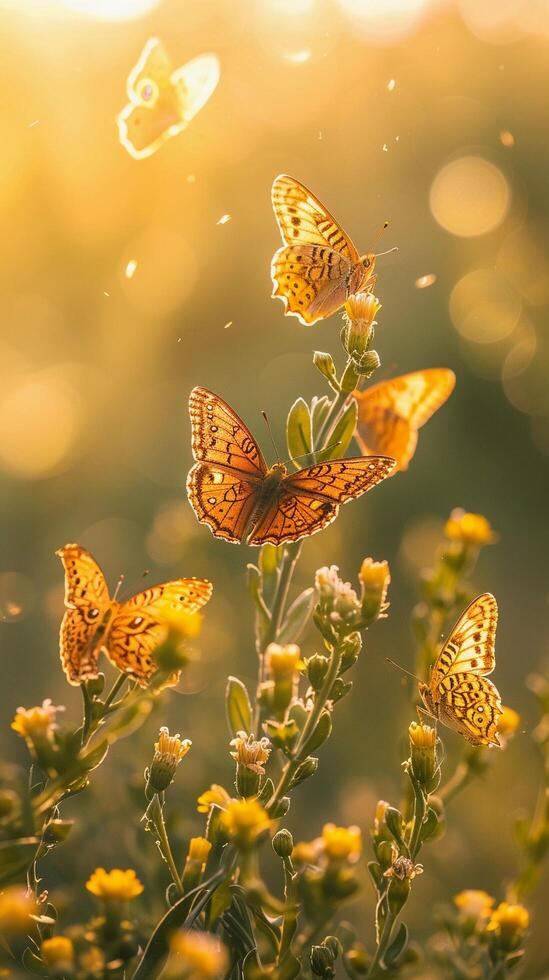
x,y
340,438
297,617
239,709
298,430
397,946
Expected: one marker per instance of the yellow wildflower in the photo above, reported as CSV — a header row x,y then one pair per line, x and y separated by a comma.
x,y
283,661
16,907
92,961
198,955
422,736
469,528
473,903
169,751
214,796
244,820
508,722
304,853
341,843
57,952
509,923
36,722
250,752
115,885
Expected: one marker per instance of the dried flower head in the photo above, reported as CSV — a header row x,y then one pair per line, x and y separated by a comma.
x,y
214,796
402,867
251,753
115,885
198,956
473,529
168,753
57,952
341,843
36,722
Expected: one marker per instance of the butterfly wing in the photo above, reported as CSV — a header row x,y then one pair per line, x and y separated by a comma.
x,y
87,601
302,219
311,280
309,499
195,82
224,485
470,704
139,625
470,647
153,68
390,413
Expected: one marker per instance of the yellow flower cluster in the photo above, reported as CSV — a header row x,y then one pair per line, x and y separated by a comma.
x,y
57,953
36,722
244,821
341,843
115,885
283,661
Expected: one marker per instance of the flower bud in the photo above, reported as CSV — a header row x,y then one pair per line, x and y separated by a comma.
x,y
169,751
325,364
58,955
423,756
375,578
350,649
322,962
469,529
250,754
317,666
398,893
197,855
367,363
508,923
283,843
283,663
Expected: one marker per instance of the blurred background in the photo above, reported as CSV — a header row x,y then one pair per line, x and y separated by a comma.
x,y
121,289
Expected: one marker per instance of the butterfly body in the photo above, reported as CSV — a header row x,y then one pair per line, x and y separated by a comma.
x,y
318,267
128,632
459,694
240,498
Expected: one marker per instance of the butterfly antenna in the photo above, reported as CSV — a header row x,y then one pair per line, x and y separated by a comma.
x,y
387,251
312,452
403,669
118,586
270,431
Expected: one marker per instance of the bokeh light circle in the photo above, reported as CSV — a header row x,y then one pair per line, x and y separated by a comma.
x,y
16,596
469,196
39,417
484,307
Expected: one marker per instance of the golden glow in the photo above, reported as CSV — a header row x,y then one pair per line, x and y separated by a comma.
x,y
484,307
423,282
112,9
38,425
469,197
16,596
385,22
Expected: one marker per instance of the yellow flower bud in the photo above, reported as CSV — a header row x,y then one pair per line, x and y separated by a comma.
x,y
375,578
199,848
283,661
508,722
475,905
115,885
36,722
509,923
244,821
168,753
197,956
467,528
362,308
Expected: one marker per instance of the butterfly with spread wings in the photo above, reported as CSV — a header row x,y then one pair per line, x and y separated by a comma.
x,y
318,267
162,102
459,693
234,492
391,412
128,632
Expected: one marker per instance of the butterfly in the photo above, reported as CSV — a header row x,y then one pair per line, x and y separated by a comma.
x,y
318,267
459,694
163,101
232,490
128,632
391,412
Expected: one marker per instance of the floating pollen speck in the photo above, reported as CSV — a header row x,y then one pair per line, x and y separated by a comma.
x,y
385,148
298,57
130,268
32,124
105,293
506,138
424,281
227,325
191,179
391,85
223,219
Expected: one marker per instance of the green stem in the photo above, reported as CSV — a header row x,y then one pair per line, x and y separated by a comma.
x,y
384,940
156,815
320,701
337,406
420,808
119,682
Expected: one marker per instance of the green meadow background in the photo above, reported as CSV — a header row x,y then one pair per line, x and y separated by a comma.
x,y
96,368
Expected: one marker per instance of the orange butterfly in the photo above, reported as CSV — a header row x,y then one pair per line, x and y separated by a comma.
x,y
232,490
390,413
128,632
318,268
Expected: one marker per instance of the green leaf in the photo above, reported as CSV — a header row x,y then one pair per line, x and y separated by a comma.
x,y
297,617
239,709
340,438
298,430
429,825
289,968
321,733
325,364
319,412
306,769
220,902
397,946
266,791
376,873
